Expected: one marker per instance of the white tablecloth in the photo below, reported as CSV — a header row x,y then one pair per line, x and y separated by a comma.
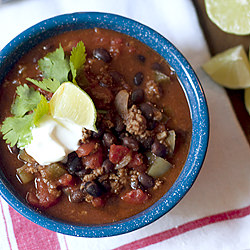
x,y
215,212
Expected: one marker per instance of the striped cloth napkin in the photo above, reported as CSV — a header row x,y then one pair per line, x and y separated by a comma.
x,y
215,212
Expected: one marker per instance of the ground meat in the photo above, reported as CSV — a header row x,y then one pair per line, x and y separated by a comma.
x,y
85,135
152,90
89,177
31,169
122,173
92,176
136,123
104,78
161,137
89,198
158,183
118,181
98,171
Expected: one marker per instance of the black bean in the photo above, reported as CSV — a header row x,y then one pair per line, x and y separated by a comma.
x,y
109,139
146,180
99,133
156,66
117,77
76,196
102,54
71,156
151,124
74,165
108,166
159,149
106,185
130,143
147,110
138,78
137,96
148,142
94,188
141,58
119,125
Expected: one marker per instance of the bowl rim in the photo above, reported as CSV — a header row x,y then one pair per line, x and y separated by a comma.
x,y
194,94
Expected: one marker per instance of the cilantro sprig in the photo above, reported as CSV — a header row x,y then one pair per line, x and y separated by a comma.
x,y
77,59
26,100
17,128
55,67
50,85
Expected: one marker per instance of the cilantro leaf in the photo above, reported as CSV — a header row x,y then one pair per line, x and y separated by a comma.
x,y
17,130
26,100
77,59
50,85
55,66
41,110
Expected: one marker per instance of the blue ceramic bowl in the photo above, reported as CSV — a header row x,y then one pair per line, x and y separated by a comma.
x,y
191,86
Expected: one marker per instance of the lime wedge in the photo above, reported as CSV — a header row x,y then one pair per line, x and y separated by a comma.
x,y
232,16
71,103
230,68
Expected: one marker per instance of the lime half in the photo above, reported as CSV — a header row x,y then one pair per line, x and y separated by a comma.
x,y
230,68
232,16
72,103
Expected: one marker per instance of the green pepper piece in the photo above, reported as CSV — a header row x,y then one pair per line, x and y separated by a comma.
x,y
157,165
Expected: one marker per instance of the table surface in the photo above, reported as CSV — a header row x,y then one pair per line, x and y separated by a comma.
x,y
219,41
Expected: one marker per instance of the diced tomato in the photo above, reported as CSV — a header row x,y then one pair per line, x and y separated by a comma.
x,y
136,196
117,152
86,148
137,163
98,202
66,180
46,199
93,161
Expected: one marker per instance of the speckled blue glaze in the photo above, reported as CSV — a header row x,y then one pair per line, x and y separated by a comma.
x,y
191,86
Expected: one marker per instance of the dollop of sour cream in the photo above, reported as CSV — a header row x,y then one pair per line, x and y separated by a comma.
x,y
53,140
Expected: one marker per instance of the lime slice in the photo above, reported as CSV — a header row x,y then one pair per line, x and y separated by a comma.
x,y
230,68
232,16
72,103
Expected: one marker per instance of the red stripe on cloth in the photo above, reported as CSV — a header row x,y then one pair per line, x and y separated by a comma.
x,y
65,242
30,236
5,223
156,238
